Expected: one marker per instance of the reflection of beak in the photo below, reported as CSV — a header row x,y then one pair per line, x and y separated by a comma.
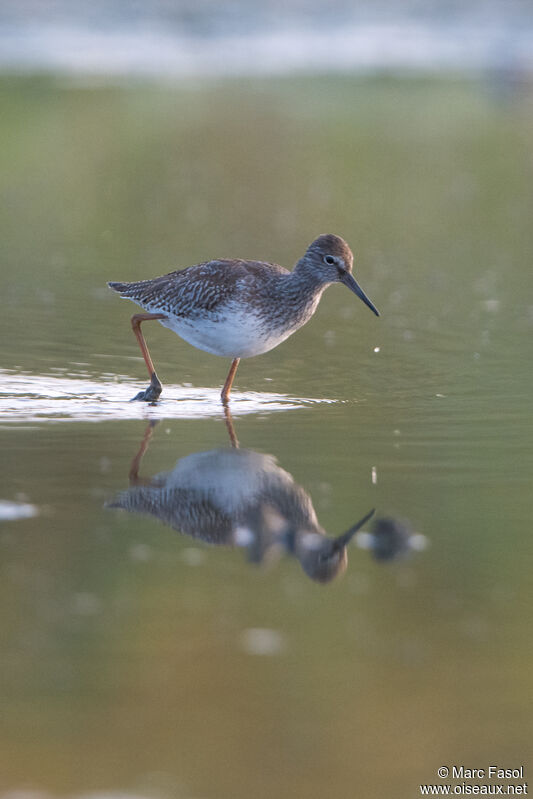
x,y
354,286
346,537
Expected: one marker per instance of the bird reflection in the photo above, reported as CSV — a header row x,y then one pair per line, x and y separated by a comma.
x,y
391,539
239,497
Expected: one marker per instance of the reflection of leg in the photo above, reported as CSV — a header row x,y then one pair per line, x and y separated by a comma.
x,y
154,389
136,462
231,430
229,380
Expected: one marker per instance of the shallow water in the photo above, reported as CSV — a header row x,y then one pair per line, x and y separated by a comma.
x,y
140,660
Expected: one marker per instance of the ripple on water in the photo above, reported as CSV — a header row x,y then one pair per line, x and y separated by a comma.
x,y
77,397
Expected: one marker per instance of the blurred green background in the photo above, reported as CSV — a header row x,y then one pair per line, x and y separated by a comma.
x,y
125,667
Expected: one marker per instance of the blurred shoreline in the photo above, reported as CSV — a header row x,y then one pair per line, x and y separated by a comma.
x,y
402,46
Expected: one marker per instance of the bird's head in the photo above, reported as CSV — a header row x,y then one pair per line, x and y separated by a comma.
x,y
324,558
331,261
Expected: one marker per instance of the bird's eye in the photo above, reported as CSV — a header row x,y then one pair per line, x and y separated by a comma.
x,y
329,259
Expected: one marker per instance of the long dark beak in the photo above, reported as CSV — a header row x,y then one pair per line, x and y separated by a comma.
x,y
346,537
352,284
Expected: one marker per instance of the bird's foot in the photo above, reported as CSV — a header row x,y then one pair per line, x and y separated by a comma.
x,y
151,394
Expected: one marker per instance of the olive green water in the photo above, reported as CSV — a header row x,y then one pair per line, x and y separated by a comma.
x,y
142,661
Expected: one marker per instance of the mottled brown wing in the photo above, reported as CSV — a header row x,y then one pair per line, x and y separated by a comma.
x,y
200,288
185,510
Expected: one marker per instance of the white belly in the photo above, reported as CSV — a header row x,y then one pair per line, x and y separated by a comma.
x,y
234,336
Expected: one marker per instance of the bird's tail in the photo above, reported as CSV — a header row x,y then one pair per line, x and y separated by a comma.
x,y
122,288
139,291
144,292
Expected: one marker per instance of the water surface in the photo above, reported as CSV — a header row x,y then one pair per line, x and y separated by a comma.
x,y
138,659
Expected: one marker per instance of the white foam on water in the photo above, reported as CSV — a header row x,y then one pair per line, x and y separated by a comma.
x,y
11,511
26,398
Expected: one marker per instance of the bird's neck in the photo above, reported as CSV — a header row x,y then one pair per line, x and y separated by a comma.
x,y
304,284
296,296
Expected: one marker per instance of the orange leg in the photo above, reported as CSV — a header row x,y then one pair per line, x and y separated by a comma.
x,y
231,430
229,380
154,389
136,462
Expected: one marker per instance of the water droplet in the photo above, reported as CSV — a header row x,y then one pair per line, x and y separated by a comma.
x,y
140,552
86,604
105,465
192,556
262,641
